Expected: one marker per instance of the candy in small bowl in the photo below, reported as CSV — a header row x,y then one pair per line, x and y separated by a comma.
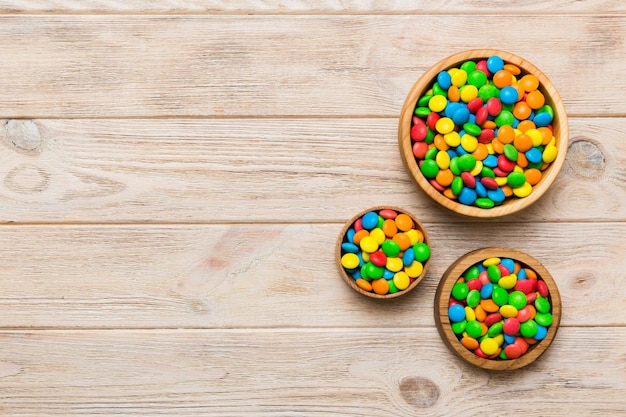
x,y
383,252
497,308
484,133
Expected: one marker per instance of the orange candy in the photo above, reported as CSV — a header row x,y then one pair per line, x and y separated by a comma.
x,y
546,134
525,125
480,153
489,306
389,228
522,161
498,146
444,177
507,190
513,69
448,193
502,78
521,110
380,286
440,143
481,315
535,99
363,284
402,240
529,83
506,134
404,222
469,342
454,94
522,142
360,235
533,176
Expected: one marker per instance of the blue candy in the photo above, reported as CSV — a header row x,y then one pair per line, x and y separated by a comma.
x,y
508,95
467,196
486,290
533,155
349,247
491,161
508,263
542,332
408,257
444,80
542,119
456,313
497,195
481,191
495,64
370,220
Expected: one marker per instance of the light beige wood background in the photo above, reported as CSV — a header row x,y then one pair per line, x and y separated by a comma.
x,y
173,176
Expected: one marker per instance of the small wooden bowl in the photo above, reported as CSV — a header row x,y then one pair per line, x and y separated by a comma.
x,y
559,124
442,297
348,279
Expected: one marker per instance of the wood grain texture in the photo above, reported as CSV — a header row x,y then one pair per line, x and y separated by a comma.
x,y
306,170
257,276
374,372
135,66
310,6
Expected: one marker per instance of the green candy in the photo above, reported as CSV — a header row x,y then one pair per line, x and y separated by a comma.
x,y
543,319
473,298
473,329
505,118
499,295
477,78
517,299
484,202
454,166
471,273
472,128
542,305
430,136
546,109
467,162
457,185
468,66
528,328
422,112
373,271
493,273
460,291
438,91
459,327
487,172
431,153
429,168
390,248
516,179
495,329
421,251
511,152
488,91
380,222
423,102
392,286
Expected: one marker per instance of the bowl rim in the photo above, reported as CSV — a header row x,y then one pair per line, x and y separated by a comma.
x,y
442,297
560,129
351,282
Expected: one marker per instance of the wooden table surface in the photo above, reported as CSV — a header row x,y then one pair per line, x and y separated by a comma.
x,y
174,175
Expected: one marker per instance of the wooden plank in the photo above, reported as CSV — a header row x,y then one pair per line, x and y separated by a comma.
x,y
309,6
64,66
306,170
251,276
374,372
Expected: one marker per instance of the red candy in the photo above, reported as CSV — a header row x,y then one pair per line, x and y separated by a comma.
x,y
419,131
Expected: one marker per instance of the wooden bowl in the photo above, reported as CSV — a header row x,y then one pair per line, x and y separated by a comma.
x,y
510,205
442,298
351,282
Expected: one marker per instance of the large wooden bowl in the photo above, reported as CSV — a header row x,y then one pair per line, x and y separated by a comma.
x,y
442,298
351,282
559,124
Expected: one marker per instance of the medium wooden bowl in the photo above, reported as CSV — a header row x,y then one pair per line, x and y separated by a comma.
x,y
351,282
442,297
559,124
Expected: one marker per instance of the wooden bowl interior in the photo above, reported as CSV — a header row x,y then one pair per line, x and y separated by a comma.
x,y
442,297
348,279
559,124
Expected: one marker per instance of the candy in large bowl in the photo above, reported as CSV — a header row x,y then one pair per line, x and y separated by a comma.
x,y
483,133
497,308
383,252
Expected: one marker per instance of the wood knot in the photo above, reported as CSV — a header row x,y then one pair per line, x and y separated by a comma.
x,y
23,134
419,392
585,281
585,159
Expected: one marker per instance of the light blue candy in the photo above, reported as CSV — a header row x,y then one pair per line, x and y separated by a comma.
x,y
542,119
486,290
533,155
467,196
408,257
509,339
481,191
508,95
491,161
521,274
461,116
542,332
350,234
508,263
444,79
497,195
370,220
456,313
349,247
495,64
387,274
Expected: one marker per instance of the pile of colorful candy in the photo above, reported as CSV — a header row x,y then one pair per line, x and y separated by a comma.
x,y
384,251
499,308
482,133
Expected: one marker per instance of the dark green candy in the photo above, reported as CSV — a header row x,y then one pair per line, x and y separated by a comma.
x,y
487,172
477,78
373,271
430,136
392,286
472,128
459,291
454,166
390,248
457,185
484,202
516,179
510,152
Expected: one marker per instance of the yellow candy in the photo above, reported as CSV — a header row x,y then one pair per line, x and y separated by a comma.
x,y
477,169
365,256
470,314
501,181
499,339
489,346
469,143
536,136
442,159
369,244
524,190
350,261
508,311
378,235
444,125
413,235
414,270
508,281
394,264
490,150
549,154
452,139
491,261
459,78
437,103
468,93
401,280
